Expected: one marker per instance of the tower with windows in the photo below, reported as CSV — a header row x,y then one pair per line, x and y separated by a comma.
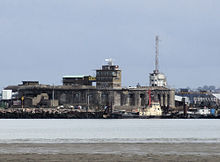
x,y
109,76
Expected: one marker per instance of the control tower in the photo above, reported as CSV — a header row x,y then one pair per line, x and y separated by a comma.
x,y
157,79
109,76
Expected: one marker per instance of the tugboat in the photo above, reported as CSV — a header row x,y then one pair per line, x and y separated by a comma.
x,y
153,110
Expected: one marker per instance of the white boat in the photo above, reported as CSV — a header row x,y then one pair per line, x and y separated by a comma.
x,y
153,110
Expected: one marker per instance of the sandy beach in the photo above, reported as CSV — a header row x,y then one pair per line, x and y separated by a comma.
x,y
103,152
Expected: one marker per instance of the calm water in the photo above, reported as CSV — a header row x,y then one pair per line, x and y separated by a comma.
x,y
102,131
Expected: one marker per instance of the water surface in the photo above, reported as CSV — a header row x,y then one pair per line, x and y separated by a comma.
x,y
111,130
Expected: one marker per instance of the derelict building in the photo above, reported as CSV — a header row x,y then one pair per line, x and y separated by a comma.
x,y
79,91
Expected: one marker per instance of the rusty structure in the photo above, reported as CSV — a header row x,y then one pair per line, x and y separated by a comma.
x,y
79,91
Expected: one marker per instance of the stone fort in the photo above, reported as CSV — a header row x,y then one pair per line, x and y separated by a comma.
x,y
107,91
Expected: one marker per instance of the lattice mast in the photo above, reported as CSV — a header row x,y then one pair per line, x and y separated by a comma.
x,y
157,55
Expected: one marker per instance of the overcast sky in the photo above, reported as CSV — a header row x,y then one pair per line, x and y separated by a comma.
x,y
46,39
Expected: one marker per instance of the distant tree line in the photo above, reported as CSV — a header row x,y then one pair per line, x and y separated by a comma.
x,y
211,88
208,88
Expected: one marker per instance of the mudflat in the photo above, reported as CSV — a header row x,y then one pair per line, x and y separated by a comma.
x,y
110,152
105,158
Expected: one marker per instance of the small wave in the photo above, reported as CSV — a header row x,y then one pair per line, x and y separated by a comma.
x,y
114,140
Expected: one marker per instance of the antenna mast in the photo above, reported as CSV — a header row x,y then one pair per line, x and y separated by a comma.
x,y
157,54
110,61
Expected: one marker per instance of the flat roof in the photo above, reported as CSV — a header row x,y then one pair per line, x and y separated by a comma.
x,y
73,76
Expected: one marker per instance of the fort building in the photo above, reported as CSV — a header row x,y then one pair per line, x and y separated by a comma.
x,y
78,90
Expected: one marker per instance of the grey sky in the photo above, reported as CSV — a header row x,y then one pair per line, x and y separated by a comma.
x,y
46,39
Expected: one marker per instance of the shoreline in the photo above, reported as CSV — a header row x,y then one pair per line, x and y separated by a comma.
x,y
54,113
111,148
109,152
